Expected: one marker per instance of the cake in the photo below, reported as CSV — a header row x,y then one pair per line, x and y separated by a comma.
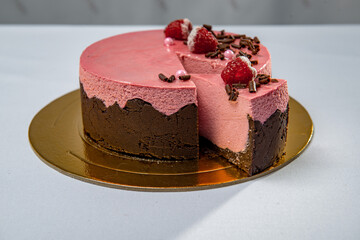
x,y
132,102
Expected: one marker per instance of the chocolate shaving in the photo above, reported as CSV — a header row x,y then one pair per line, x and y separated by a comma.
x,y
223,46
236,96
212,32
163,77
222,32
256,40
254,62
220,36
214,54
226,40
248,38
171,79
255,51
252,86
209,54
241,53
274,80
235,46
244,42
233,95
185,77
263,75
239,85
251,46
263,78
207,26
237,36
264,81
228,89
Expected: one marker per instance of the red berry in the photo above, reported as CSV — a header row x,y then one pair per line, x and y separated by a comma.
x,y
238,71
201,40
178,29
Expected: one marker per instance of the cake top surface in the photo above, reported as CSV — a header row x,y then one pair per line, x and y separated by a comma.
x,y
134,58
137,58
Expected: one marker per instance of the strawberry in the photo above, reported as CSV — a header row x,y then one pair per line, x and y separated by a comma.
x,y
178,29
201,40
238,71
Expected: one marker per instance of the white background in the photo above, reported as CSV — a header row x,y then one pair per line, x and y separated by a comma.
x,y
315,197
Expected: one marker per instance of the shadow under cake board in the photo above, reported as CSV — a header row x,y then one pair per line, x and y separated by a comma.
x,y
56,136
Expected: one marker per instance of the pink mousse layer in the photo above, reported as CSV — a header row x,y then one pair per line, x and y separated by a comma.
x,y
126,66
225,122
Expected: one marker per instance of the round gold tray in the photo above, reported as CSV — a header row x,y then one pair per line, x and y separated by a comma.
x,y
57,138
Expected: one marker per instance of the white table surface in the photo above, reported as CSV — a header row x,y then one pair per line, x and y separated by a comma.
x,y
315,197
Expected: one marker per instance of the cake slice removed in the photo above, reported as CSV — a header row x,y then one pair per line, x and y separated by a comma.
x,y
251,131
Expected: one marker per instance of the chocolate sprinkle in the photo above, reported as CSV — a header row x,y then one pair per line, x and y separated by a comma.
x,y
233,96
215,54
264,81
227,40
254,62
171,79
256,40
163,77
207,26
239,85
223,46
185,77
209,54
219,36
228,89
274,80
235,46
213,33
237,36
252,86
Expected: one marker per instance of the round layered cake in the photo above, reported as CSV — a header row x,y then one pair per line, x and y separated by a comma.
x,y
128,108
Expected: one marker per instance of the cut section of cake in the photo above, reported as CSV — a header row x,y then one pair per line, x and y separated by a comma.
x,y
251,131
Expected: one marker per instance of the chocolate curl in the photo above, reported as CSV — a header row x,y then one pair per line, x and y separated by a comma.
x,y
252,86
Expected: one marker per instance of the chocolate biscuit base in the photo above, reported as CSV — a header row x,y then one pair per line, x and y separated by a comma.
x,y
141,130
266,144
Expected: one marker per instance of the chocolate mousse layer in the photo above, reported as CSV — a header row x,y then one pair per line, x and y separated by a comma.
x,y
141,130
266,144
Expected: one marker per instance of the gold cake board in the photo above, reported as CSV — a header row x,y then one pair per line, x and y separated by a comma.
x,y
57,138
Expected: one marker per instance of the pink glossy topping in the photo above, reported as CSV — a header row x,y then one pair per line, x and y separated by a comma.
x,y
229,54
168,41
180,73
